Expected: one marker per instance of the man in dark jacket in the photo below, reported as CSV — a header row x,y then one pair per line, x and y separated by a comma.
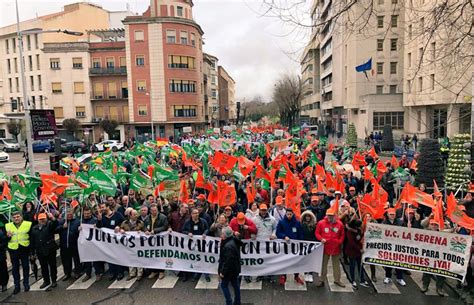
x,y
68,230
393,221
229,265
44,247
89,219
3,261
177,219
196,226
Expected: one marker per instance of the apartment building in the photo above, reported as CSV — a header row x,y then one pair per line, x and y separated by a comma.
x,y
310,77
211,89
227,104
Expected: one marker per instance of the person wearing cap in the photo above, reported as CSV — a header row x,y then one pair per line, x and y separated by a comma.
x,y
290,228
229,213
158,223
18,235
229,267
44,247
330,232
338,197
318,207
278,211
392,220
243,228
352,197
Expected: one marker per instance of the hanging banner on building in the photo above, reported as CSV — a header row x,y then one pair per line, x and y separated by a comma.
x,y
43,124
433,252
179,252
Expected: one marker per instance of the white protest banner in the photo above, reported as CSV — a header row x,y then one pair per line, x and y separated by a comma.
x,y
176,251
433,252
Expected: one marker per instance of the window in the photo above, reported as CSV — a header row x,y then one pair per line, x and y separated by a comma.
x,y
394,1
124,87
432,77
139,36
58,112
141,85
78,87
30,62
17,83
393,89
142,110
380,119
420,84
379,44
10,84
184,111
9,66
393,44
14,103
16,65
179,11
140,60
56,87
96,63
185,86
422,24
38,62
170,36
181,62
409,85
393,67
98,90
193,39
80,111
380,68
394,21
110,62
32,83
123,62
125,113
36,42
184,37
99,111
420,54
214,93
77,63
409,59
380,22
7,46
410,31
54,63
214,79
14,45
112,90
113,113
379,89
418,120
40,85
380,2
28,42
433,51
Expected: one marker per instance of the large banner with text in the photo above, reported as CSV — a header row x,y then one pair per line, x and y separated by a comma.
x,y
433,252
176,251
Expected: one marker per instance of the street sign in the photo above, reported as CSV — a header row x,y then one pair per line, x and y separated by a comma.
x,y
187,129
43,124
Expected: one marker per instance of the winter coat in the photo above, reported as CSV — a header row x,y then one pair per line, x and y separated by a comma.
x,y
115,220
333,233
42,238
290,228
244,234
319,211
159,225
196,228
308,228
266,226
128,226
176,221
277,214
3,246
229,258
68,236
353,243
90,221
397,222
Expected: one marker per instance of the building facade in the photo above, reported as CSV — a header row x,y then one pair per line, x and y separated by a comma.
x,y
227,104
211,89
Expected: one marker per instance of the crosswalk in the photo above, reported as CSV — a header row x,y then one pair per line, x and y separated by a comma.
x,y
171,280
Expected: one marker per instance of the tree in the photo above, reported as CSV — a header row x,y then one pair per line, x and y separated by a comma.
x,y
71,125
287,95
456,173
430,164
352,136
14,127
255,109
108,126
387,139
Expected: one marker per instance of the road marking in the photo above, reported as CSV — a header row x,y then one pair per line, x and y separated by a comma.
x,y
213,284
292,285
36,286
417,278
122,284
169,281
379,286
250,286
80,285
330,276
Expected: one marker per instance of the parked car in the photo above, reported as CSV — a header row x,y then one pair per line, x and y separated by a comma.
x,y
313,130
9,145
74,146
4,157
42,146
113,144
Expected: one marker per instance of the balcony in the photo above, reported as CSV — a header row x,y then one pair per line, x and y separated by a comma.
x,y
107,97
205,78
108,71
206,98
121,118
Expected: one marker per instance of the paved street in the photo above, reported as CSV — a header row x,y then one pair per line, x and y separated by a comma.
x,y
17,163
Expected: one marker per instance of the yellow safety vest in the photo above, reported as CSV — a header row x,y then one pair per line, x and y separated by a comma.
x,y
20,235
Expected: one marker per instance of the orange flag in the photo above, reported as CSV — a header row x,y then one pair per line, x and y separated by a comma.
x,y
330,182
251,193
223,162
151,169
381,168
335,207
394,162
261,173
370,206
373,153
414,165
321,187
308,169
183,191
436,191
330,147
438,214
6,194
457,215
292,197
201,183
320,172
160,188
226,194
213,197
368,174
245,165
415,196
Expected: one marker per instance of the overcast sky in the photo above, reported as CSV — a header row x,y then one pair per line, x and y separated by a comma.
x,y
254,50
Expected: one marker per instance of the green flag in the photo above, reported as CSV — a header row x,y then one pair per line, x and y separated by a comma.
x,y
102,183
165,174
138,181
73,191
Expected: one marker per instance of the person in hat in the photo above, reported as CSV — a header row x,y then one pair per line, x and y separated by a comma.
x,y
278,211
352,196
330,232
338,198
392,220
353,250
229,265
290,228
229,213
18,235
243,228
44,247
426,278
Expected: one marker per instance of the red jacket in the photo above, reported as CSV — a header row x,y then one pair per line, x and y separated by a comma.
x,y
353,244
333,233
244,234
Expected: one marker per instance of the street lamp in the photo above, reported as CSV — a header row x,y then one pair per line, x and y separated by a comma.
x,y
26,104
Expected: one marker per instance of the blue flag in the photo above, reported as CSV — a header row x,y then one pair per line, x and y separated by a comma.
x,y
365,67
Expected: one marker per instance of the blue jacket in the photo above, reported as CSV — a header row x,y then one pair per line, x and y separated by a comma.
x,y
68,237
289,228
